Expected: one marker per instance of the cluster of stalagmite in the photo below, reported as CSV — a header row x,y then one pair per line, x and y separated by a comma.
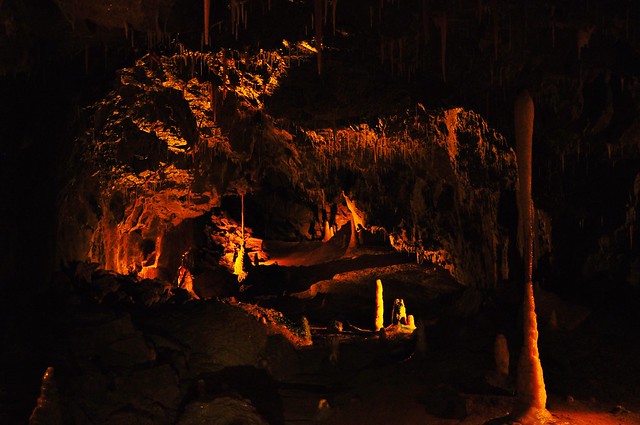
x,y
399,317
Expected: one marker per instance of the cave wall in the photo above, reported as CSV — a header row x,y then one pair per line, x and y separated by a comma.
x,y
431,180
579,60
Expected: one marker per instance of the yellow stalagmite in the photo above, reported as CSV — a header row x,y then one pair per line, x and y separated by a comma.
x,y
379,322
532,396
238,265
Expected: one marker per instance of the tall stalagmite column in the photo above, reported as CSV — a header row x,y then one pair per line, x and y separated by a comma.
x,y
532,396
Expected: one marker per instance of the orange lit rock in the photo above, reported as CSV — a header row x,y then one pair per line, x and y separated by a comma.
x,y
152,175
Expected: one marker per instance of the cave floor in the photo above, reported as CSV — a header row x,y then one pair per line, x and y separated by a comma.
x,y
353,377
116,360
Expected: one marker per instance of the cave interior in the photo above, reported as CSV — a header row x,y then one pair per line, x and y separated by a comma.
x,y
320,212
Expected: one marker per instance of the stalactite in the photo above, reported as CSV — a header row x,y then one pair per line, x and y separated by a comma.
x,y
441,21
207,10
400,56
532,396
318,32
495,28
334,5
235,9
392,55
86,59
425,21
552,20
47,411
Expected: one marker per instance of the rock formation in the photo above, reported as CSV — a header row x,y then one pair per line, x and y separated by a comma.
x,y
161,154
532,396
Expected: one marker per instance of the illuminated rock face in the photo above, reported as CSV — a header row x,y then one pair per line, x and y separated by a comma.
x,y
180,134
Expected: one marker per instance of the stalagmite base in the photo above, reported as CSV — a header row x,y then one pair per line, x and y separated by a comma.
x,y
532,396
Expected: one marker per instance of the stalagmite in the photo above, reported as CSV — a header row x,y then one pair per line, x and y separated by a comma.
x,y
411,321
238,265
242,216
499,378
379,319
305,329
532,396
501,355
185,281
47,411
353,239
399,312
357,221
328,232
